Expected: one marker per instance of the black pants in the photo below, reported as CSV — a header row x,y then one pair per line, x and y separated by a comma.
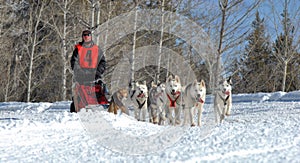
x,y
72,107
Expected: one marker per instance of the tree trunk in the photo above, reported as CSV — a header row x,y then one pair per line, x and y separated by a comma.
x,y
284,76
8,79
64,55
132,69
217,67
160,41
33,46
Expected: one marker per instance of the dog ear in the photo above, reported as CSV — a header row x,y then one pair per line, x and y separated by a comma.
x,y
195,82
229,80
177,79
124,92
169,78
153,84
144,82
202,83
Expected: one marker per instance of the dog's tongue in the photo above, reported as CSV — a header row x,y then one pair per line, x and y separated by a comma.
x,y
141,95
200,100
227,93
176,93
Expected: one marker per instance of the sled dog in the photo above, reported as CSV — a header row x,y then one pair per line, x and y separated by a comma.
x,y
116,102
223,100
194,97
139,98
174,99
156,103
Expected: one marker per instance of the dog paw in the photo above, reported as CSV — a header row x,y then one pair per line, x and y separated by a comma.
x,y
163,118
222,117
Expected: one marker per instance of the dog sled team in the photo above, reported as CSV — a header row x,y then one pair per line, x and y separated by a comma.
x,y
164,102
170,103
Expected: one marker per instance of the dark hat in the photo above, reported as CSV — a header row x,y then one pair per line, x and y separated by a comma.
x,y
86,32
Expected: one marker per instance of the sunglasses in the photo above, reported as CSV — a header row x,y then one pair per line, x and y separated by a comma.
x,y
87,34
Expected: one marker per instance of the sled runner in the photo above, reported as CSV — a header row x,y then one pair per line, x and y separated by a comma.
x,y
89,93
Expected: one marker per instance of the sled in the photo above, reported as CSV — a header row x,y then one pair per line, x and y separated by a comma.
x,y
89,94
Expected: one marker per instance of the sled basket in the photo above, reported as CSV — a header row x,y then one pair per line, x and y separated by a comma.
x,y
93,94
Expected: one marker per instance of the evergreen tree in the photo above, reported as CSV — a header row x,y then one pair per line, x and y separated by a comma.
x,y
254,65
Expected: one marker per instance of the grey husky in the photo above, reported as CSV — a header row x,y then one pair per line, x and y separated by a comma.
x,y
157,101
223,101
194,97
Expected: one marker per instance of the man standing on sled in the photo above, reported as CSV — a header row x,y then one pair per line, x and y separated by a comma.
x,y
88,64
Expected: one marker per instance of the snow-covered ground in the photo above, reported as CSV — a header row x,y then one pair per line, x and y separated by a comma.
x,y
263,127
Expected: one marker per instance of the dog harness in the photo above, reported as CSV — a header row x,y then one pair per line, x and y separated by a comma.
x,y
140,104
226,99
173,102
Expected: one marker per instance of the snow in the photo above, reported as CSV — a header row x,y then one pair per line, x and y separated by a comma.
x,y
263,127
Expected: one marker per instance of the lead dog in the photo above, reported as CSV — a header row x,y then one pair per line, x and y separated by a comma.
x,y
156,103
139,98
223,101
194,97
174,99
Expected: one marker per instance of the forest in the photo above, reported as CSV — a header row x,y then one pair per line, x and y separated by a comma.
x,y
255,42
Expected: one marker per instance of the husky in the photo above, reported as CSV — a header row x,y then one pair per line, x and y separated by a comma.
x,y
223,100
174,99
156,101
194,95
116,103
139,97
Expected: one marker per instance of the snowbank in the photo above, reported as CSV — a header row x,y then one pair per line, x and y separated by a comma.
x,y
263,97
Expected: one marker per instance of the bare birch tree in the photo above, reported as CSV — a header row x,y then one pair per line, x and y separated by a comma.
x,y
132,57
61,9
234,14
33,41
287,38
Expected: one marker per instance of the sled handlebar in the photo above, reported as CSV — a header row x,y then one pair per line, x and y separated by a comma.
x,y
98,81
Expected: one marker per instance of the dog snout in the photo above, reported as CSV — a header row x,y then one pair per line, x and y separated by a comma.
x,y
198,95
173,90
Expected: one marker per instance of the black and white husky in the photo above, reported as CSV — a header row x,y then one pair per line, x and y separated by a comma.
x,y
223,100
139,97
194,97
